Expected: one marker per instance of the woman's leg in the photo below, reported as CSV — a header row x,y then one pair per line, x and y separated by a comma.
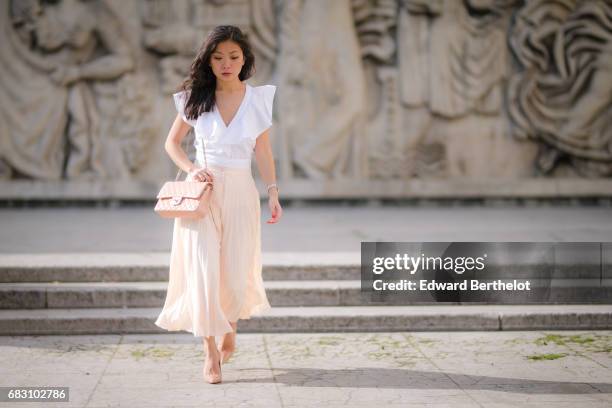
x,y
212,367
228,343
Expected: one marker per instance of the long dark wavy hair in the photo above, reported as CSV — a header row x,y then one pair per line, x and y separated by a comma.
x,y
201,82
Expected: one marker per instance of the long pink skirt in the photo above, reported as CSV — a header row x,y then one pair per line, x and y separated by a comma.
x,y
215,263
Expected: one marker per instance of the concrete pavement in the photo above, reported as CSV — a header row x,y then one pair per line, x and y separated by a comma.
x,y
401,369
314,228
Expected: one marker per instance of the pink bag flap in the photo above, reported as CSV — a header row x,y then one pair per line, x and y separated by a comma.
x,y
189,189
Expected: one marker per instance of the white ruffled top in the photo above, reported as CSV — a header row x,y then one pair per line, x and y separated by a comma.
x,y
232,145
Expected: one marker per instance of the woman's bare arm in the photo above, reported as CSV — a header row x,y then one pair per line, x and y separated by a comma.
x,y
265,163
264,158
173,144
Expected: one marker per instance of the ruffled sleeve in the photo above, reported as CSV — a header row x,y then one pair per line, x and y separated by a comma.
x,y
265,105
180,99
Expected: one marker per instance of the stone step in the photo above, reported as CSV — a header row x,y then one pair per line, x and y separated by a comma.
x,y
132,267
281,266
152,294
280,293
322,319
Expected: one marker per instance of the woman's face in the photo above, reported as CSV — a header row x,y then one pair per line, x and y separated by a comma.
x,y
227,60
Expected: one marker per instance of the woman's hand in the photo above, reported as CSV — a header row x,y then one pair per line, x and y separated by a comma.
x,y
200,174
275,208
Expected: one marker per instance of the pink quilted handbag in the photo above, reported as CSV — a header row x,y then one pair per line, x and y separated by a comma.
x,y
184,199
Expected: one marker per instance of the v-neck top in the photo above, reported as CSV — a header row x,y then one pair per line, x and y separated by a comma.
x,y
231,145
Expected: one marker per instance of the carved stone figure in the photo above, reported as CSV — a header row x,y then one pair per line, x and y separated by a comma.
x,y
62,53
382,155
453,63
322,83
32,108
562,94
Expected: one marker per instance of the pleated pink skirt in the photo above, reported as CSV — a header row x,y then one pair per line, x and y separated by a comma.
x,y
215,272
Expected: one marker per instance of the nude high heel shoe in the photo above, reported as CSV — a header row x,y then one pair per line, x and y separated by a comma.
x,y
213,378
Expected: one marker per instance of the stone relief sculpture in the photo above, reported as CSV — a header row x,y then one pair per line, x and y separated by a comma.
x,y
453,65
288,72
75,53
33,108
322,82
168,31
375,21
562,94
367,89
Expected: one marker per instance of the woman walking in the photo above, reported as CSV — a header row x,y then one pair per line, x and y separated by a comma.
x,y
215,262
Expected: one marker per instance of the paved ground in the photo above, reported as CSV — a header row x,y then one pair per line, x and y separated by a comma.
x,y
477,369
312,228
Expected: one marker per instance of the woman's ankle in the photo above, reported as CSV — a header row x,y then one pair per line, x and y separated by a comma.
x,y
210,346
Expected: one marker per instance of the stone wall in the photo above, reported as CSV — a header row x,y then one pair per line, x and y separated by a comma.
x,y
376,98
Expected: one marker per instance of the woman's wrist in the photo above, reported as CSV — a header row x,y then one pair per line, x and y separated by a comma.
x,y
272,189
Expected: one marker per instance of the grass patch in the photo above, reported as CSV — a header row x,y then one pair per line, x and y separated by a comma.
x,y
152,352
543,357
329,341
428,341
562,340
